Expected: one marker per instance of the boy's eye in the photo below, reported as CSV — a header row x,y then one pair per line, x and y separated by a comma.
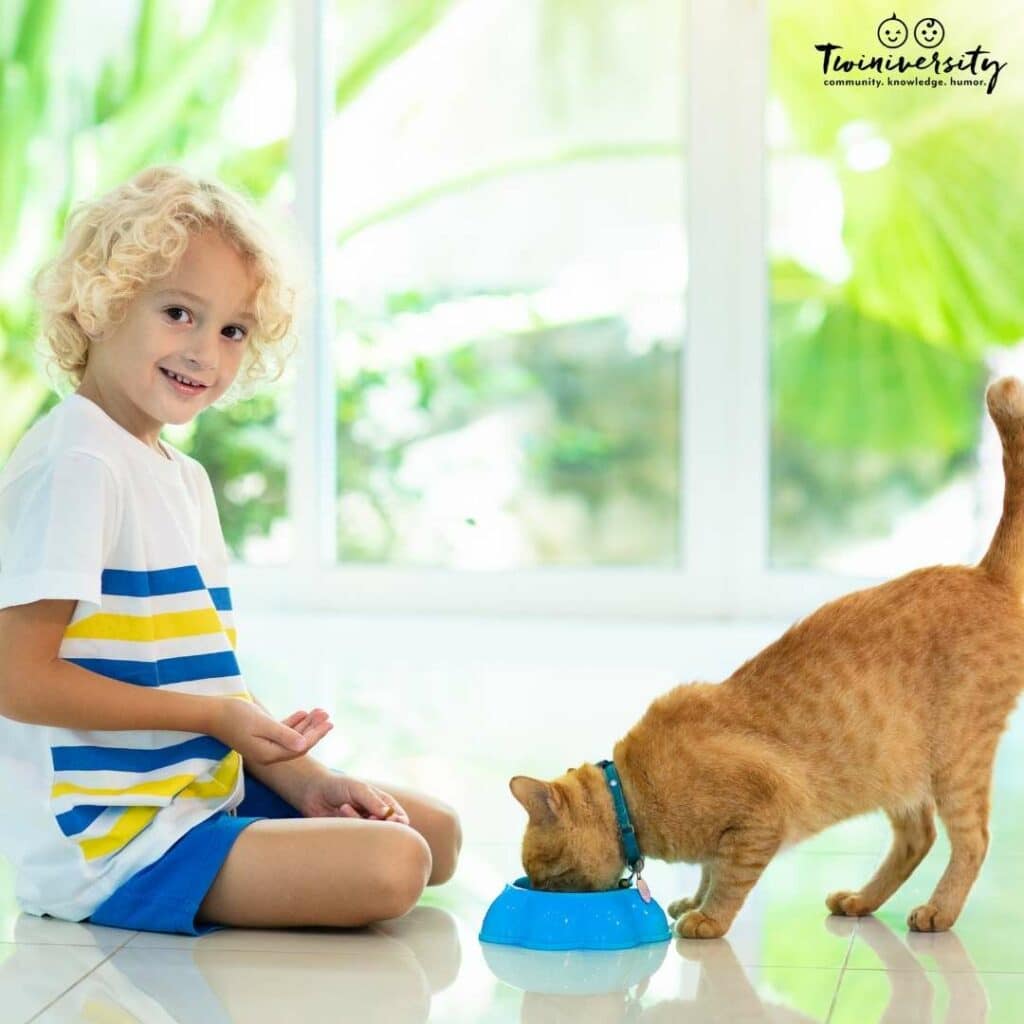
x,y
172,310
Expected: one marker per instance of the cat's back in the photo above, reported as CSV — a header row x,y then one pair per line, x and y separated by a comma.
x,y
935,604
941,619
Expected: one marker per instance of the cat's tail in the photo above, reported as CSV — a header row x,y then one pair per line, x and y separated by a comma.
x,y
1004,559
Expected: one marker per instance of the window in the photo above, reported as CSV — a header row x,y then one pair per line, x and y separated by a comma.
x,y
508,275
516,212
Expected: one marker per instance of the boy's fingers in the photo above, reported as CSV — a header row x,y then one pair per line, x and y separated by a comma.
x,y
316,734
295,716
314,718
386,808
289,739
387,805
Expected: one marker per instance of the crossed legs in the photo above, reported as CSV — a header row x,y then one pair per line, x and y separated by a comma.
x,y
339,872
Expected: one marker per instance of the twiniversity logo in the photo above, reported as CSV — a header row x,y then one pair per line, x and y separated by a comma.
x,y
974,67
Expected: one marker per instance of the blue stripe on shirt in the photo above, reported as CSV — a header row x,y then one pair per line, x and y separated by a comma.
x,y
135,759
152,583
164,670
78,819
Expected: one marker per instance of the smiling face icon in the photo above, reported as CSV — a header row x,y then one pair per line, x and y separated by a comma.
x,y
893,32
929,32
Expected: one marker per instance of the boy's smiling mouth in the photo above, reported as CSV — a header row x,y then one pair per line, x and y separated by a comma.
x,y
182,383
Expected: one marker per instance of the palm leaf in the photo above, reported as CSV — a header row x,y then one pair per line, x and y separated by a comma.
x,y
845,381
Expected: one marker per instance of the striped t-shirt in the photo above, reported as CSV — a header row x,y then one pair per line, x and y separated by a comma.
x,y
89,512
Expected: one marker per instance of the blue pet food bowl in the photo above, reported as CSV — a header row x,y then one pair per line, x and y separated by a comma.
x,y
535,919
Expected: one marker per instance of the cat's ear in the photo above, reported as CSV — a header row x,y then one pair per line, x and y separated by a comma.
x,y
542,801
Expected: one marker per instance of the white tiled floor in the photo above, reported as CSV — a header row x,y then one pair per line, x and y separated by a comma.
x,y
456,707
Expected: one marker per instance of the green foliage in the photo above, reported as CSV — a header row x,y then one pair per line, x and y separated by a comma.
x,y
599,422
878,379
845,381
398,27
243,447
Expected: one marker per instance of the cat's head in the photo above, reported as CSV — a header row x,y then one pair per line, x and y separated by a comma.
x,y
571,842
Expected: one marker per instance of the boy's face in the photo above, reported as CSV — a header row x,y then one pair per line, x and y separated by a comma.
x,y
194,322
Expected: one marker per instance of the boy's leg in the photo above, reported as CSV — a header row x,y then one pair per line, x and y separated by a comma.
x,y
334,872
437,822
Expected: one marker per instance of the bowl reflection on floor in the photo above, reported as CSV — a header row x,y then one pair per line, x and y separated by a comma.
x,y
574,972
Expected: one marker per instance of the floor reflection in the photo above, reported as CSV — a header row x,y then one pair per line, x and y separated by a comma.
x,y
609,988
912,995
398,969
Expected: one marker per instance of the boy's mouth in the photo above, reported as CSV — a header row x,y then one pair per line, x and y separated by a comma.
x,y
183,385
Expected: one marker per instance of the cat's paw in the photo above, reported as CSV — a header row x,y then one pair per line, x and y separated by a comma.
x,y
928,918
697,925
849,904
682,906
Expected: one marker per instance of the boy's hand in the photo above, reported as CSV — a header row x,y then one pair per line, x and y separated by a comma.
x,y
332,795
263,740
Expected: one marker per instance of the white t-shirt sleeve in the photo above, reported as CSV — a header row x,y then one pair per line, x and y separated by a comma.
x,y
58,526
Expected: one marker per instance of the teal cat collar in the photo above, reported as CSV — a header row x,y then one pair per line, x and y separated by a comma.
x,y
630,846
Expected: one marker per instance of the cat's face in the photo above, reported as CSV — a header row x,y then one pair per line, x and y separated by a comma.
x,y
571,842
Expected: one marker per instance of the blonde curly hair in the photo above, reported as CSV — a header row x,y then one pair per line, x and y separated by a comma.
x,y
114,246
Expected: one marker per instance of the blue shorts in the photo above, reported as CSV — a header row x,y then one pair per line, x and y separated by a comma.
x,y
165,895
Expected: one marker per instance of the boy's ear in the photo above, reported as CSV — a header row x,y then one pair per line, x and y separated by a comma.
x,y
542,801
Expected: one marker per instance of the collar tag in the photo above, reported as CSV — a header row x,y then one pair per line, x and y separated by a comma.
x,y
644,889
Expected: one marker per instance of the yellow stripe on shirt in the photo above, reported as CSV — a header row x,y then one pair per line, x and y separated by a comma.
x,y
142,628
128,826
134,819
225,778
183,785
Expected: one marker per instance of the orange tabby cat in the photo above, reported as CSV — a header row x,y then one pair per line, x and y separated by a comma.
x,y
892,697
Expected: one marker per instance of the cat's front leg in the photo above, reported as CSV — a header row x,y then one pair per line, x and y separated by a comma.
x,y
690,902
743,854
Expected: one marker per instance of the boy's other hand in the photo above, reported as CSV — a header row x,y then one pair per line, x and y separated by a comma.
x,y
337,795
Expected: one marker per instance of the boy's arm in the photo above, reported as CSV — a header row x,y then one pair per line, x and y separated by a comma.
x,y
38,687
288,779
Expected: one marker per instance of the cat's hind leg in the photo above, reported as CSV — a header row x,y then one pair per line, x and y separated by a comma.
x,y
689,902
913,832
962,799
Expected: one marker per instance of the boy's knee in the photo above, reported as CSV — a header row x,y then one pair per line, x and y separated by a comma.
x,y
447,845
403,873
